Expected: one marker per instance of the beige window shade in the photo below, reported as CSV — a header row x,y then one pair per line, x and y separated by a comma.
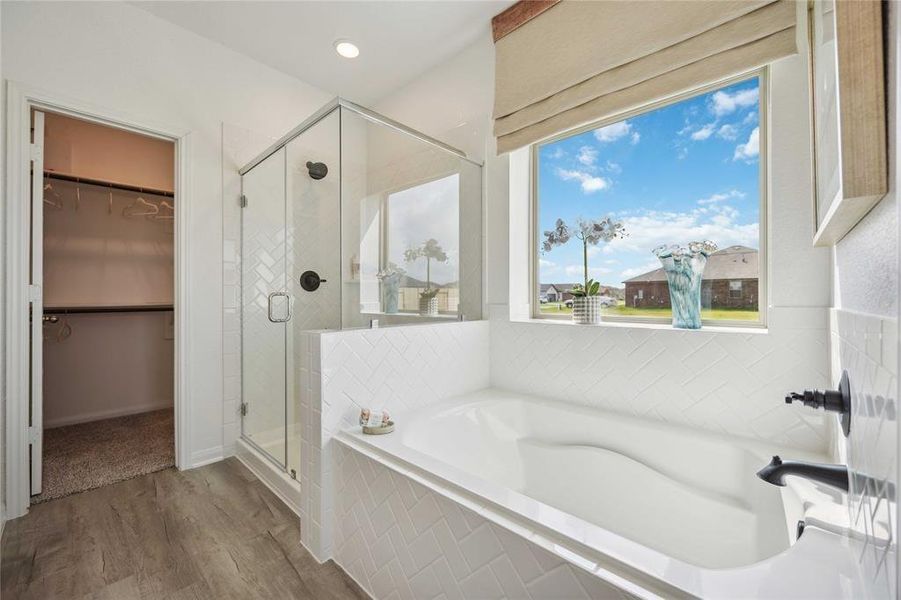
x,y
582,61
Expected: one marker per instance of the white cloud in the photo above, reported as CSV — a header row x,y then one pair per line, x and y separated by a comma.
x,y
578,271
614,168
727,132
723,103
587,155
590,183
713,199
640,270
636,137
547,264
704,132
750,149
654,228
613,132
557,153
682,154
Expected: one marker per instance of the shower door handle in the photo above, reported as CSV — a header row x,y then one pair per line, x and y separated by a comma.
x,y
287,299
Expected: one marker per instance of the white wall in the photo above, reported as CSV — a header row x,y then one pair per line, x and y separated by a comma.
x,y
113,364
723,380
117,56
865,343
453,103
751,371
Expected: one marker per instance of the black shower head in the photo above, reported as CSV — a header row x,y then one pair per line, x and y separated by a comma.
x,y
317,170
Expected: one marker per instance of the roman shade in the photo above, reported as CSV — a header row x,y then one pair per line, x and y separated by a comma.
x,y
579,62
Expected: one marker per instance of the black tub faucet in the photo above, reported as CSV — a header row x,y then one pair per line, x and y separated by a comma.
x,y
834,475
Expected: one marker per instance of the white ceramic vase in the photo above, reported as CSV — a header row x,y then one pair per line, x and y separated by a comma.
x,y
428,307
587,310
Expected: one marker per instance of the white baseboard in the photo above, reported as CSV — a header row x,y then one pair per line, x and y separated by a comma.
x,y
206,457
287,489
229,449
110,413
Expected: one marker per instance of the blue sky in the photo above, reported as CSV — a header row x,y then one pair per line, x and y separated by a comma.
x,y
688,171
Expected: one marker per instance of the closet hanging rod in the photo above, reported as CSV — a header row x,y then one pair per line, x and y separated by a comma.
x,y
73,310
108,184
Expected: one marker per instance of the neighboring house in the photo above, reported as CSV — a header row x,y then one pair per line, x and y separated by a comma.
x,y
410,288
561,292
556,292
730,281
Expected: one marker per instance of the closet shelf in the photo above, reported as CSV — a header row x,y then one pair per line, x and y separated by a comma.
x,y
70,310
108,184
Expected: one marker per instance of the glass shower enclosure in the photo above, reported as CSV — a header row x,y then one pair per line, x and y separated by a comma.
x,y
350,220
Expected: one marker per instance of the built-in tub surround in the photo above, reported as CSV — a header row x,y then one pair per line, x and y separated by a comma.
x,y
396,369
640,506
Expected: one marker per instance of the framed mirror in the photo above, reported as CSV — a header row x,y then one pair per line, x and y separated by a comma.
x,y
848,108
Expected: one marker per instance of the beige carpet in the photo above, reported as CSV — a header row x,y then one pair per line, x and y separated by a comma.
x,y
89,455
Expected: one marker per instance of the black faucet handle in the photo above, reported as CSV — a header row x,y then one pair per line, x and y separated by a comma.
x,y
832,400
796,397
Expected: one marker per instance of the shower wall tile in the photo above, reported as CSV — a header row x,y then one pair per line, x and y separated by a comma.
x,y
867,347
730,382
395,369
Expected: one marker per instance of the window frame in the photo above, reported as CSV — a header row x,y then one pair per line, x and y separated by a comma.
x,y
763,104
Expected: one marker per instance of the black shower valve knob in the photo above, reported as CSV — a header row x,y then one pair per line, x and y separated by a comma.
x,y
830,400
838,401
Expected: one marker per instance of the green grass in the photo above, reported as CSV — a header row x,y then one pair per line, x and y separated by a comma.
x,y
621,310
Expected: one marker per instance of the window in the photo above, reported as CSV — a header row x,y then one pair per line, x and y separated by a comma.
x,y
687,170
422,242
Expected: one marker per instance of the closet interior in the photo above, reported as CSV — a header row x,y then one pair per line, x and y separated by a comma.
x,y
108,318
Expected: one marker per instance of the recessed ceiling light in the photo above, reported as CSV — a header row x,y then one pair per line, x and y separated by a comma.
x,y
347,49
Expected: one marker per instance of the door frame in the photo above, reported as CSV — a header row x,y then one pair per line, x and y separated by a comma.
x,y
20,100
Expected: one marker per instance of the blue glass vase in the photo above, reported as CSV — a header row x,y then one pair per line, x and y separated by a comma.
x,y
684,268
390,285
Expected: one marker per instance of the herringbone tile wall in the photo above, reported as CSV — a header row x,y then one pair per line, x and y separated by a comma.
x,y
867,347
393,368
401,540
730,382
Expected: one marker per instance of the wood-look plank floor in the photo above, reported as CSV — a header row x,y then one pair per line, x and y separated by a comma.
x,y
210,533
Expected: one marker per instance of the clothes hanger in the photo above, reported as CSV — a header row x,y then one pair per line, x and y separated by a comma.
x,y
165,205
64,331
58,202
140,208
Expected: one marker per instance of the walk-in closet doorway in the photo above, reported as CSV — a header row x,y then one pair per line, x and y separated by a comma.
x,y
96,271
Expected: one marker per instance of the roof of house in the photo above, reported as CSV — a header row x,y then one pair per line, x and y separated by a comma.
x,y
407,281
560,287
734,262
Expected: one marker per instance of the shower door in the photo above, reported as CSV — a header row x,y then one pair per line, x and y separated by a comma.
x,y
265,307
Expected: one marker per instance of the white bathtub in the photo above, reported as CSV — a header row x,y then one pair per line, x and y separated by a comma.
x,y
664,510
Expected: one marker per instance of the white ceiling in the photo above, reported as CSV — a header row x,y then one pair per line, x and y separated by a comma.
x,y
398,40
